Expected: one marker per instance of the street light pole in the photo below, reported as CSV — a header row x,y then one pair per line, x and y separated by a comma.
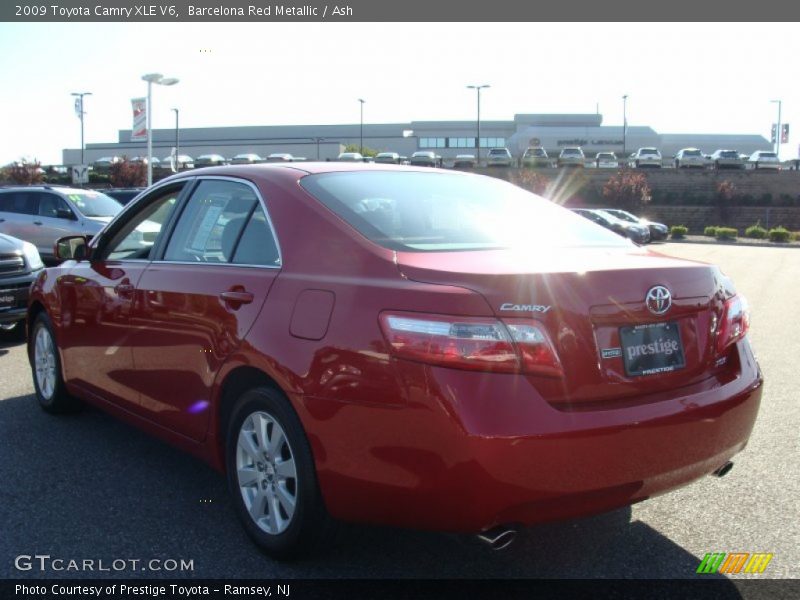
x,y
478,89
159,79
624,127
177,148
778,131
361,129
80,96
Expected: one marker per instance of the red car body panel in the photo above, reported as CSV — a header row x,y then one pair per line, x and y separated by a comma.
x,y
396,441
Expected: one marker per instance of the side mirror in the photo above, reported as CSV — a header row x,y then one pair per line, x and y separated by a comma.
x,y
72,247
65,213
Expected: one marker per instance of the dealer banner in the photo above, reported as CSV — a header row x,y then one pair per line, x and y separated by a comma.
x,y
139,131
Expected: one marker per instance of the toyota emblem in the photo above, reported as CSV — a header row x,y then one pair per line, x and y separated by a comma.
x,y
658,300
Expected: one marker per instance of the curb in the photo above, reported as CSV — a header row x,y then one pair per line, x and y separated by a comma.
x,y
737,242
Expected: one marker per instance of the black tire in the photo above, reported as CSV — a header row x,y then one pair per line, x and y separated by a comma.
x,y
310,526
756,166
57,401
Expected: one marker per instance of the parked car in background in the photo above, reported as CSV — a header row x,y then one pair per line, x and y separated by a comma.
x,y
246,159
41,214
20,263
390,158
764,159
210,160
425,158
646,157
658,231
104,163
350,157
184,162
143,160
123,195
535,156
280,157
687,158
464,161
606,160
458,371
572,157
499,157
637,233
727,159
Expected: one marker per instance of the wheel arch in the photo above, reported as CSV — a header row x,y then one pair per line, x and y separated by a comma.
x,y
235,383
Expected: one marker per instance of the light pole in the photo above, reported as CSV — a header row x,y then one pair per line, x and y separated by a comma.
x,y
177,148
478,89
318,140
624,128
159,79
81,112
778,131
361,129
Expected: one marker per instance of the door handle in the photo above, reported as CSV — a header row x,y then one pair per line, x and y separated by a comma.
x,y
37,222
236,298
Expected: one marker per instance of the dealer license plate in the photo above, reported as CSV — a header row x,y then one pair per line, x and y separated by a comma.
x,y
652,348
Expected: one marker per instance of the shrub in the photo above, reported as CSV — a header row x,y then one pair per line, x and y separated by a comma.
x,y
779,234
128,174
726,233
530,180
627,190
23,172
678,231
723,197
711,231
756,232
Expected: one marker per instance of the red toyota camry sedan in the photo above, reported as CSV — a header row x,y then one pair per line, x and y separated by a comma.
x,y
396,345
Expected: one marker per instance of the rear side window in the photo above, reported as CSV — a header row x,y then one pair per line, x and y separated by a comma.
x,y
223,222
25,203
423,212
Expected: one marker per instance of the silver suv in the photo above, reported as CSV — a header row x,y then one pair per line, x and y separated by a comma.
x,y
42,214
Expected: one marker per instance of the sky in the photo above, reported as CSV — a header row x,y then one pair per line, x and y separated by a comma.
x,y
679,77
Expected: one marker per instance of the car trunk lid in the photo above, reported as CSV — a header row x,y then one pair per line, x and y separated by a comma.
x,y
592,302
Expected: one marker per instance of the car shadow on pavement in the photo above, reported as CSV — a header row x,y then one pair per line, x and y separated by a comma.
x,y
87,486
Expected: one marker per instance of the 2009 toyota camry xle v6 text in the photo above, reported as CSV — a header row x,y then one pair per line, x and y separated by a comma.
x,y
396,345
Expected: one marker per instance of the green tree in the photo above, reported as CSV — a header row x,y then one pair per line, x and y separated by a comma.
x,y
356,148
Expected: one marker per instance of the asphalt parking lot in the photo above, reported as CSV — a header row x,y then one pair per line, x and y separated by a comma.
x,y
90,487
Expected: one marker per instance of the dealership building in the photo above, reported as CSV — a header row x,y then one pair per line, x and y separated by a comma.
x,y
446,138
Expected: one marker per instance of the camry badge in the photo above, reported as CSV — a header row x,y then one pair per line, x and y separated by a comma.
x,y
658,300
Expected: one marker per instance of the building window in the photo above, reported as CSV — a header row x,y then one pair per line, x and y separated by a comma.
x,y
493,142
460,142
432,142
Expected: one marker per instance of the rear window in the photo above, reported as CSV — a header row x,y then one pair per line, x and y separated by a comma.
x,y
648,151
729,154
412,211
767,154
571,152
692,153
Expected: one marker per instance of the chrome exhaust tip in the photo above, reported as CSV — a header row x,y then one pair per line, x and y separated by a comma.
x,y
724,469
498,538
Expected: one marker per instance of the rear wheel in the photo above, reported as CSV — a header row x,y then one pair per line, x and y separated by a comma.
x,y
48,381
272,478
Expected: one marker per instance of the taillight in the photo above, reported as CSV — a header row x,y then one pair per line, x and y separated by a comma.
x,y
477,344
734,324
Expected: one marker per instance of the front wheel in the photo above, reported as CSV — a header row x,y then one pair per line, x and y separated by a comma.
x,y
272,478
48,381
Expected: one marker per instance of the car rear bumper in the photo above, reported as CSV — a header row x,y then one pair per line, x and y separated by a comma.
x,y
471,451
